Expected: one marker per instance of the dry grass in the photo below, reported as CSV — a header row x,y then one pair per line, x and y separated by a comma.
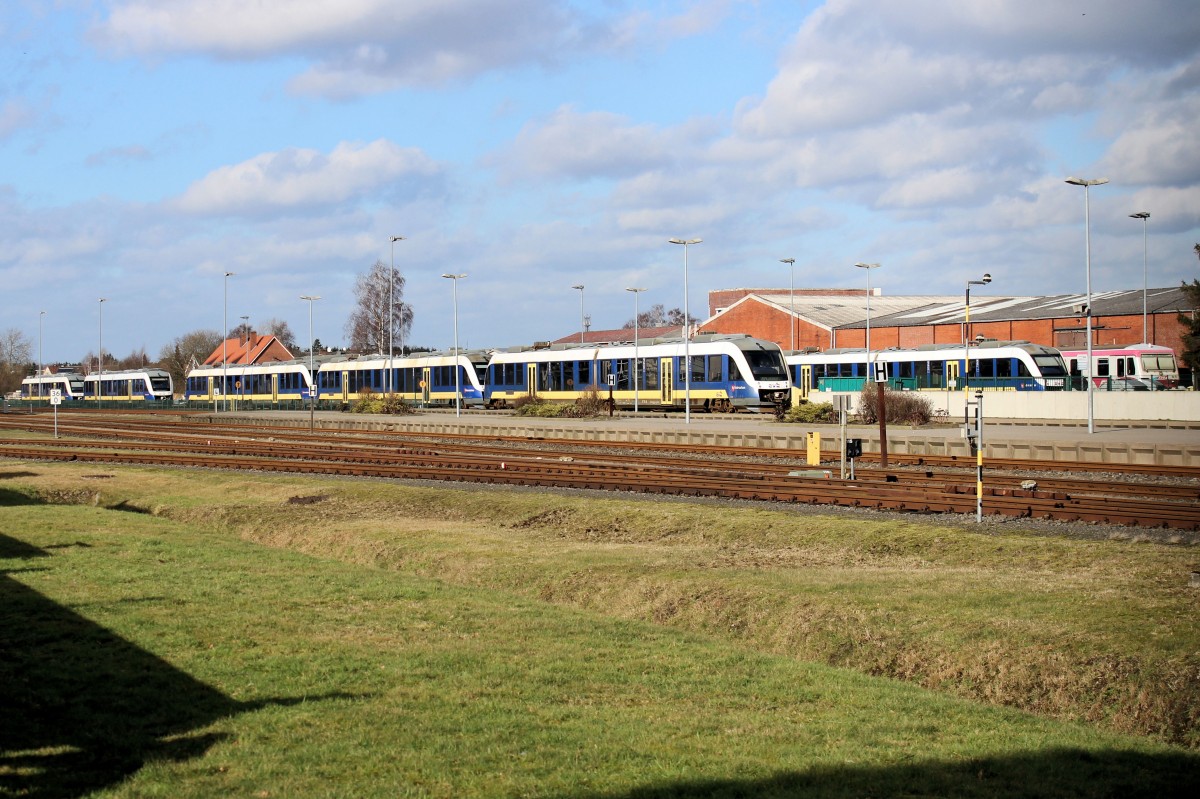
x,y
1095,631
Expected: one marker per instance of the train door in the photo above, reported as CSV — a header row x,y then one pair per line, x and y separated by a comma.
x,y
531,378
345,386
425,379
952,374
805,380
274,387
666,381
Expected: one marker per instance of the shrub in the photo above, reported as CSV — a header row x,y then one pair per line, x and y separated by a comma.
x,y
806,412
371,402
588,405
903,407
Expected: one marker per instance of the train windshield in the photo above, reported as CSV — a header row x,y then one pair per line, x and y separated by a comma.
x,y
158,384
1157,364
767,364
1051,365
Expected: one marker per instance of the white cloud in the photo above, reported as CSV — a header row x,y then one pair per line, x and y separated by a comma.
x,y
15,114
582,146
361,46
299,178
1161,147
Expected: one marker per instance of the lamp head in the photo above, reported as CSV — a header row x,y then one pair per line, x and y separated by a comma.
x,y
684,241
578,286
987,278
397,238
1140,215
787,261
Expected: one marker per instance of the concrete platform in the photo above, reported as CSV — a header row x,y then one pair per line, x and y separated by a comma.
x,y
1063,441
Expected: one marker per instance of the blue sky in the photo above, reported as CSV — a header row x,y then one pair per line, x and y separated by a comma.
x,y
149,146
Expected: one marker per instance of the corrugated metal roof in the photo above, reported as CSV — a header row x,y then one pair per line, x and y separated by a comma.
x,y
1011,309
832,311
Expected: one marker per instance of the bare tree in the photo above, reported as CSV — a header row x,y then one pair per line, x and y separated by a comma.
x,y
282,331
138,359
88,364
177,357
241,332
367,327
15,359
658,316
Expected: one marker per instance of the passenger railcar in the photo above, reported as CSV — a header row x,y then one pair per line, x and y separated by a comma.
x,y
39,386
728,372
421,379
130,385
992,365
1138,367
276,384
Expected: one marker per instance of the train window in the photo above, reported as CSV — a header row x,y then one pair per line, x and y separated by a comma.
x,y
622,371
651,374
554,376
714,368
1102,367
697,368
585,373
734,372
1004,367
1130,368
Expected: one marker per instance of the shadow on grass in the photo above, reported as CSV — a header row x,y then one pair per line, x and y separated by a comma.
x,y
11,499
82,708
1059,773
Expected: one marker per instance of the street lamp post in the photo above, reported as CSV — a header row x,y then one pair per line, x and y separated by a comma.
x,y
987,278
391,311
312,376
1145,217
41,360
881,401
582,323
100,357
225,345
1087,238
791,262
687,323
457,370
637,374
244,359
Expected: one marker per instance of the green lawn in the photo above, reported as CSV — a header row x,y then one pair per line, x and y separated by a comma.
x,y
395,641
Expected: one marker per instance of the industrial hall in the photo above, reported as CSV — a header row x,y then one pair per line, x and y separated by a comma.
x,y
823,319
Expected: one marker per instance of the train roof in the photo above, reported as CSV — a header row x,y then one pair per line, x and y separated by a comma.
x,y
152,370
987,344
699,338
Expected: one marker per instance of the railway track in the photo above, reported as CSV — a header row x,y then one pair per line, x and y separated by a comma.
x,y
732,472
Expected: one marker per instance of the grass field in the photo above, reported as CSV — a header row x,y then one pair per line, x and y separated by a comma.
x,y
194,634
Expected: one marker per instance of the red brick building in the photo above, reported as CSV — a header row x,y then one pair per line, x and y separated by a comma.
x,y
253,349
827,319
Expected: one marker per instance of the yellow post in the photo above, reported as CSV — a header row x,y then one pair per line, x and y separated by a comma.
x,y
814,449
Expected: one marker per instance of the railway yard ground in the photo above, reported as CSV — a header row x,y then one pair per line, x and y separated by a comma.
x,y
490,605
